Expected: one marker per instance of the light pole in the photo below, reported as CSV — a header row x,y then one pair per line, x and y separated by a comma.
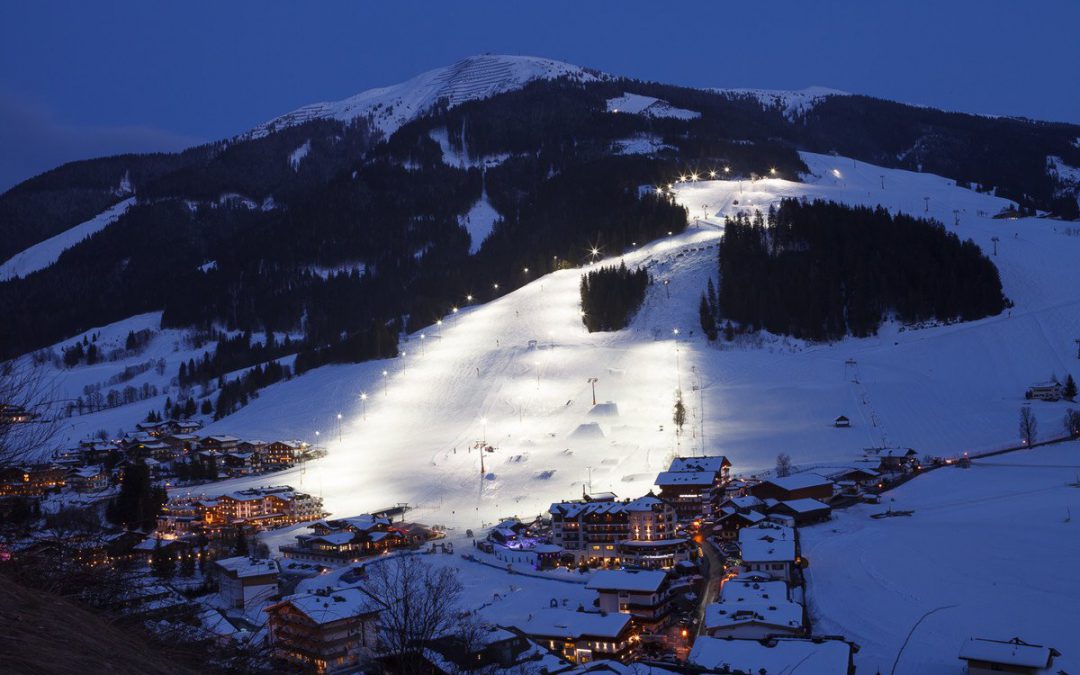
x,y
593,381
339,427
363,404
422,350
316,438
438,327
483,421
403,362
678,375
385,386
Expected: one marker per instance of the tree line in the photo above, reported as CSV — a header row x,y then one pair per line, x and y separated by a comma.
x,y
610,296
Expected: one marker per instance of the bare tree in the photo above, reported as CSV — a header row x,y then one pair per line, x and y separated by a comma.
x,y
419,603
28,426
1029,427
783,465
1072,422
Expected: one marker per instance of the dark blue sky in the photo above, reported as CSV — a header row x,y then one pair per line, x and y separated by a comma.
x,y
81,79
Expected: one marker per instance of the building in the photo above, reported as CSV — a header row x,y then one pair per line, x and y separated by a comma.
x,y
256,508
985,657
1045,391
32,480
693,485
326,631
652,541
582,637
486,648
644,594
283,453
590,530
727,526
820,656
898,462
220,443
755,606
244,581
769,549
842,422
347,540
803,511
88,479
795,486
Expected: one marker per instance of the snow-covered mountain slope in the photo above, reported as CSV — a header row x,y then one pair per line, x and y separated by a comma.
x,y
476,77
792,103
992,546
41,255
636,104
940,390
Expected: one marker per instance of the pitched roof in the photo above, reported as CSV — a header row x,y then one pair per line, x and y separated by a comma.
x,y
804,505
641,581
781,613
714,464
327,608
1013,652
564,623
779,655
799,481
245,566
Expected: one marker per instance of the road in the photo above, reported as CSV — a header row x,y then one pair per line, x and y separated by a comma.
x,y
712,584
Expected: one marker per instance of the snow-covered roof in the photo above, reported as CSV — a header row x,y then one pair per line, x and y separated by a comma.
x,y
1013,652
245,566
799,481
334,538
766,550
565,623
578,509
327,608
779,612
703,478
771,657
753,589
746,502
713,463
645,503
641,581
804,505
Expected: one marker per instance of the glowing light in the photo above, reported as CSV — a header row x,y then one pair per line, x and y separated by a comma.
x,y
694,177
363,396
469,298
526,270
772,171
836,172
495,286
712,174
659,190
455,310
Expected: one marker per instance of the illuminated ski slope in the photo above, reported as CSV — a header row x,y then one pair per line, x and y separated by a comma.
x,y
940,390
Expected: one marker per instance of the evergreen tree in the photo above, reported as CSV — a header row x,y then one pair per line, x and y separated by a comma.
x,y
162,562
708,322
1069,391
207,407
679,413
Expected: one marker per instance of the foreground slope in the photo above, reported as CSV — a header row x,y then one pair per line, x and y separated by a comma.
x,y
960,551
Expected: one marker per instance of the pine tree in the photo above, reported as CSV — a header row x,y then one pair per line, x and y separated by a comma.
x,y
162,562
1069,391
679,415
207,407
708,322
241,547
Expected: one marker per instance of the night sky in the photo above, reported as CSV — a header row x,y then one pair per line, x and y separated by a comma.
x,y
85,79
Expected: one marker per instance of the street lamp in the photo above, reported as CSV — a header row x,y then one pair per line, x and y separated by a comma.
x,y
483,421
468,297
422,350
363,404
385,375
339,427
403,362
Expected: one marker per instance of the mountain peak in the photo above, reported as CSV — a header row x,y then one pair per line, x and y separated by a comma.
x,y
472,78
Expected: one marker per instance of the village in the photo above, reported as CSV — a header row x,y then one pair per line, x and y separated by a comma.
x,y
703,573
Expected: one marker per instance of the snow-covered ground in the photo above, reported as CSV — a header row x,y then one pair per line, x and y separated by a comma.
x,y
994,545
45,253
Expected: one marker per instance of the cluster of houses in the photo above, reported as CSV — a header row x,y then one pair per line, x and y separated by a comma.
x,y
172,449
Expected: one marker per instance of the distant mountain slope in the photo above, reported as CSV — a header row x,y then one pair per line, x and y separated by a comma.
x,y
473,78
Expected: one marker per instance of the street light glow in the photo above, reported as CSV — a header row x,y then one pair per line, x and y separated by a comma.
x,y
712,174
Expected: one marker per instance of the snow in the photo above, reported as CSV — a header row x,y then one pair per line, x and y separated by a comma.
x,y
636,104
479,222
474,78
829,657
45,253
993,546
799,481
299,154
462,160
569,624
245,566
638,581
640,144
793,104
1011,652
341,604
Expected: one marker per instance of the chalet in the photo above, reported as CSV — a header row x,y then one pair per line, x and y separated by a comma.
x,y
795,486
255,447
984,656
769,549
536,555
15,414
729,523
753,620
283,453
489,648
821,656
96,451
582,637
220,443
1046,391
325,631
154,429
693,484
348,540
256,508
185,426
803,511
155,448
842,422
182,444
88,479
861,476
644,594
238,463
895,461
244,582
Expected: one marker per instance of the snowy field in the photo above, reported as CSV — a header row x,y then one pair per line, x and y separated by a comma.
x,y
993,545
940,390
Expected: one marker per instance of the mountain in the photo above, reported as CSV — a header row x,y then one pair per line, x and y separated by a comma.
x,y
471,79
346,222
